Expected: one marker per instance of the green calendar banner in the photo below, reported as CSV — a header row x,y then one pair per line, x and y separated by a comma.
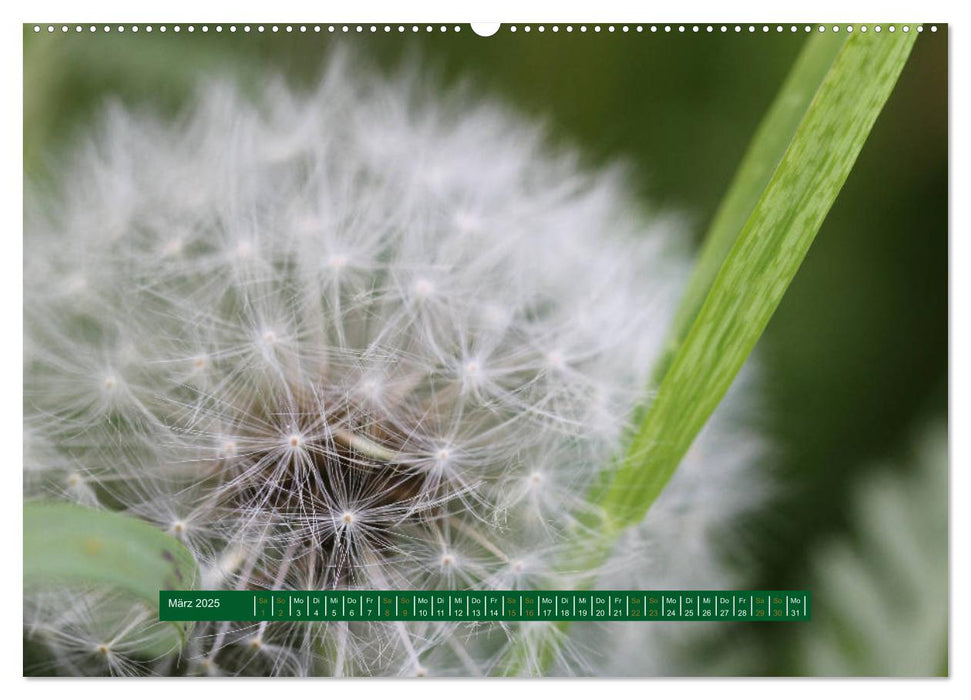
x,y
478,606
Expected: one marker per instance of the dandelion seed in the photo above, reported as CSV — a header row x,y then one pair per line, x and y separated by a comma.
x,y
442,457
76,283
423,288
172,247
555,360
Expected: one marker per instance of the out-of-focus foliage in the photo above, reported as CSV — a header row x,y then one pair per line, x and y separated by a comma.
x,y
880,593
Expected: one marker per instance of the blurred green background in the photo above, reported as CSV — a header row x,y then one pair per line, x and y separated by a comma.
x,y
855,360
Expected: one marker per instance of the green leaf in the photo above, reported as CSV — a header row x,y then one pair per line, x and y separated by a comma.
x,y
70,546
766,224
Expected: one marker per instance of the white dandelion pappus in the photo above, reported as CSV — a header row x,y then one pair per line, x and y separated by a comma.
x,y
371,336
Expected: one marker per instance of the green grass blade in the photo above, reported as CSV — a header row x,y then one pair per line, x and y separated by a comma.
x,y
67,545
776,225
762,262
764,153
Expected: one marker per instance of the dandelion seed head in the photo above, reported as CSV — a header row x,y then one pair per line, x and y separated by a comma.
x,y
365,336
